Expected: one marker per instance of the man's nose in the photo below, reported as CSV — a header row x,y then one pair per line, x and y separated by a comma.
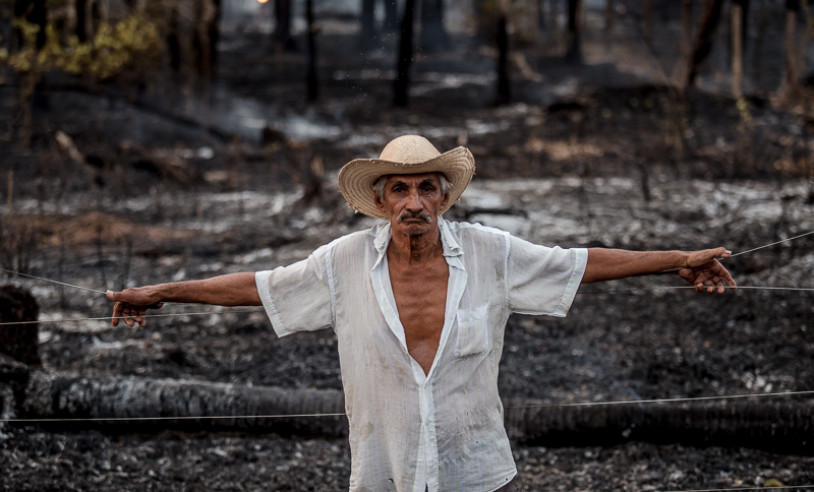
x,y
413,201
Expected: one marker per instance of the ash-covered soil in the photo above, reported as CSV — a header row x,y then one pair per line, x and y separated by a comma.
x,y
622,164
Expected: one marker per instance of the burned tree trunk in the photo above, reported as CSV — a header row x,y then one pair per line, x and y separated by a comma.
x,y
503,87
154,404
20,341
311,38
791,87
738,18
282,28
401,85
710,18
574,51
128,403
777,426
686,38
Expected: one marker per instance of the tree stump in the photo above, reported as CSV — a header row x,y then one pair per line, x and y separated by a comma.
x,y
19,341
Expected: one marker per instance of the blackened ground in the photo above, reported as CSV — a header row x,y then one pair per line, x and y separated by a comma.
x,y
621,165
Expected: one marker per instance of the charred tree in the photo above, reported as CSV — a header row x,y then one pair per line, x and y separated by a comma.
x,y
282,27
702,47
503,86
81,14
433,36
401,86
213,33
206,16
790,88
32,96
737,31
35,12
686,37
573,53
174,37
236,408
311,37
784,426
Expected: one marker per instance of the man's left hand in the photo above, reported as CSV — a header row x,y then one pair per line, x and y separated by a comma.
x,y
703,270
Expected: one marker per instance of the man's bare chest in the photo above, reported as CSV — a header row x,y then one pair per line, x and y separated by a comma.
x,y
421,296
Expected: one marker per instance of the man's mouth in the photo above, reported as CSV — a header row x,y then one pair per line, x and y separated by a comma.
x,y
409,217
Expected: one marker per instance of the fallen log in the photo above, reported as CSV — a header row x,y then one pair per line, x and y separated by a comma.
x,y
142,405
779,426
132,404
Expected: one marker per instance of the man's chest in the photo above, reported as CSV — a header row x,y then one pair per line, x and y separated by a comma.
x,y
421,298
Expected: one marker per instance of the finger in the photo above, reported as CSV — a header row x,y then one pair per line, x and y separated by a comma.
x,y
727,277
721,252
117,312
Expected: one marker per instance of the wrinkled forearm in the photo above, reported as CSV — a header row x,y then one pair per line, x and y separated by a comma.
x,y
233,289
611,264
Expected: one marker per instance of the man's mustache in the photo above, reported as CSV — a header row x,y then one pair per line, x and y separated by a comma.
x,y
414,215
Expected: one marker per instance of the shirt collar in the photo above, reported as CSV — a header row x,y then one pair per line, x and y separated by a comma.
x,y
383,233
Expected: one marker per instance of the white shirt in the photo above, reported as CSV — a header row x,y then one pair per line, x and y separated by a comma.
x,y
443,430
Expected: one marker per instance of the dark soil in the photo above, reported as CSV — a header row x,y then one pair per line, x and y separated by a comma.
x,y
619,162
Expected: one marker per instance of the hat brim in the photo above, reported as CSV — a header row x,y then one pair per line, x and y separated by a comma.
x,y
357,177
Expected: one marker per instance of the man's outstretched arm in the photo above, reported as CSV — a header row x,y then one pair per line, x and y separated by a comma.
x,y
700,268
233,289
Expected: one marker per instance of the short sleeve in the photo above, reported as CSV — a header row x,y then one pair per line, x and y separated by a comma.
x,y
543,280
297,297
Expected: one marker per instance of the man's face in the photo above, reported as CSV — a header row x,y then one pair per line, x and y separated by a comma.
x,y
413,202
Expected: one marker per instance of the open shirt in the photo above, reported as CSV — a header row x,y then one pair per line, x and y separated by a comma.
x,y
410,431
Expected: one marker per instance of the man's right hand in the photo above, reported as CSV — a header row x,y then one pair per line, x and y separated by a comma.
x,y
132,304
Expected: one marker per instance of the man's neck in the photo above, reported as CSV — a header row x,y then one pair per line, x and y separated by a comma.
x,y
408,249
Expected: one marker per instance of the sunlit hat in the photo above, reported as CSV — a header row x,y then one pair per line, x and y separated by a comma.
x,y
408,154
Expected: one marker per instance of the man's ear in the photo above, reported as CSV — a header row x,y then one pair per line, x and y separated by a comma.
x,y
445,200
379,203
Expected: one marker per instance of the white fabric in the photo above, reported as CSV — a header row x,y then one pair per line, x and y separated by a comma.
x,y
444,430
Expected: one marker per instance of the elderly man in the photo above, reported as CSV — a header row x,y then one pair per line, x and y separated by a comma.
x,y
419,306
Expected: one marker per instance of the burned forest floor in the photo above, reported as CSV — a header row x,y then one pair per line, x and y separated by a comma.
x,y
116,190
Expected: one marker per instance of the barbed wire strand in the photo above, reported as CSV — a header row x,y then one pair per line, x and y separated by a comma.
x,y
685,287
771,244
52,281
259,309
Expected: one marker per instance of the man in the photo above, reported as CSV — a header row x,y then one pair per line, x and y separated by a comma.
x,y
419,306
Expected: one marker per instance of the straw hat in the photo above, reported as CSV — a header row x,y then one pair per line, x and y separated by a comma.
x,y
408,154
